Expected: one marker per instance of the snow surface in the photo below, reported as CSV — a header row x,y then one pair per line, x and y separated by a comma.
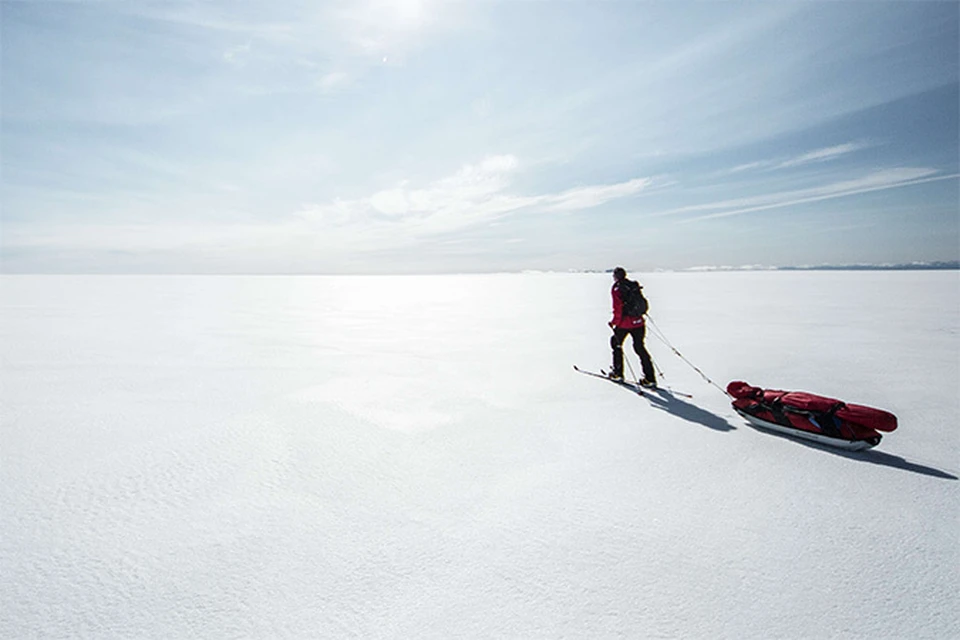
x,y
414,457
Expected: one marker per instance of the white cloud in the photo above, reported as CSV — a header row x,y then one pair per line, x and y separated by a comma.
x,y
495,164
237,55
332,80
594,196
402,215
476,193
748,166
392,202
817,155
822,155
877,181
338,212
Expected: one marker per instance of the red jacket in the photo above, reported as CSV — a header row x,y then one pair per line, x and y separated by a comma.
x,y
621,321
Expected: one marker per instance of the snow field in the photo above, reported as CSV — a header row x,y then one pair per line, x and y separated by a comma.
x,y
415,457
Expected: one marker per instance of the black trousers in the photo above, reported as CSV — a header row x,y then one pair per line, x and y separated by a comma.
x,y
616,343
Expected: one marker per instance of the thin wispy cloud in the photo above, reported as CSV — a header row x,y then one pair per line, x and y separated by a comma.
x,y
476,193
333,80
878,181
327,41
747,166
588,197
822,155
815,156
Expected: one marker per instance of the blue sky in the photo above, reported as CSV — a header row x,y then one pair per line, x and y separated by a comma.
x,y
407,136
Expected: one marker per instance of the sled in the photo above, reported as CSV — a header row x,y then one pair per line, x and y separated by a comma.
x,y
812,417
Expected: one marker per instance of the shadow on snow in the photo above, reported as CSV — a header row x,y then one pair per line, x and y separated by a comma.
x,y
666,401
871,456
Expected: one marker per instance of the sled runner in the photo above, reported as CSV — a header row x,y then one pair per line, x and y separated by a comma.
x,y
812,417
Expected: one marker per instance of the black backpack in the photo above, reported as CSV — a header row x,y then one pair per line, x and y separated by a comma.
x,y
634,303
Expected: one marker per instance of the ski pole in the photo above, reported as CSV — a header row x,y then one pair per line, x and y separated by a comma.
x,y
660,336
661,376
630,366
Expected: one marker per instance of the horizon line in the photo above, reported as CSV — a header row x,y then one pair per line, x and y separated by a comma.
x,y
936,265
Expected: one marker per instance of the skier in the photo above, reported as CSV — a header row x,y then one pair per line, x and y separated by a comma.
x,y
629,305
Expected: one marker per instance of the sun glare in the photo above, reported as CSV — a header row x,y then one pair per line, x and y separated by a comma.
x,y
407,13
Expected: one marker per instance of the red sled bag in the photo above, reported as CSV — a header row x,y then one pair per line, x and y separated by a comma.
x,y
806,415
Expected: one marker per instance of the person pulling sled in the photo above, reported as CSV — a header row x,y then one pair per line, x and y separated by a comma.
x,y
629,307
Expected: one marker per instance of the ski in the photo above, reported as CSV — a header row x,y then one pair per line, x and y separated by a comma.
x,y
626,384
633,386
